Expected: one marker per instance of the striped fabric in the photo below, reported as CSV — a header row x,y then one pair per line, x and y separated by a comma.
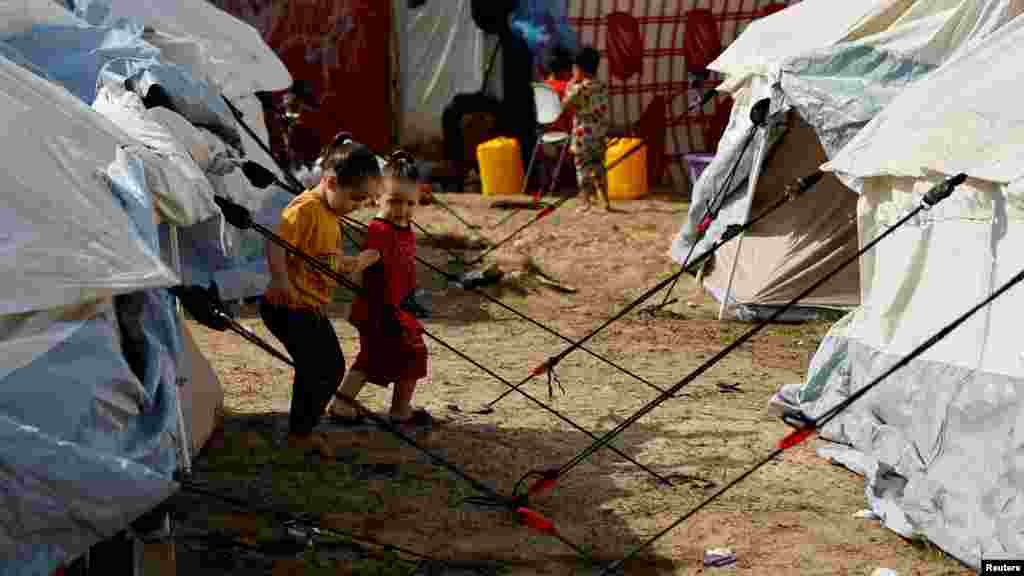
x,y
637,68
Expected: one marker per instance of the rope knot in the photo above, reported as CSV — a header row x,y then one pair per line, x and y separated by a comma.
x,y
547,481
804,428
705,224
545,366
554,379
536,521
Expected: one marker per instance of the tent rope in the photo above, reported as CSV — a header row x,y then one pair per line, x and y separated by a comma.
x,y
491,499
288,519
932,197
240,217
451,277
813,425
711,211
794,190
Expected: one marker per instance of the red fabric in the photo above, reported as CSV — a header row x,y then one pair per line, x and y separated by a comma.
x,y
625,45
564,122
384,357
666,38
335,45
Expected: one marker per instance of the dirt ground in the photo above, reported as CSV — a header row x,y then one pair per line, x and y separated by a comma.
x,y
794,516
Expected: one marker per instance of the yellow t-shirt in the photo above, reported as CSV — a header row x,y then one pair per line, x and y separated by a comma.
x,y
309,225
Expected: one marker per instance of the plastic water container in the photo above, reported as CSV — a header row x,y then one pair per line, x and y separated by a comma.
x,y
501,167
628,179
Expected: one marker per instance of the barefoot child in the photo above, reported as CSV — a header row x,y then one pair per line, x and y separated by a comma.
x,y
588,98
293,304
391,348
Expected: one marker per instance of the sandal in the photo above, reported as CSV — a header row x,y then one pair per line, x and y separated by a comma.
x,y
420,419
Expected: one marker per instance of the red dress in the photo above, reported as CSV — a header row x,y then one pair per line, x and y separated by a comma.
x,y
386,357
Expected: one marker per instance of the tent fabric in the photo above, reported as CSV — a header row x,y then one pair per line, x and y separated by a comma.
x,y
184,194
202,397
232,53
800,243
840,90
184,189
333,45
19,16
75,56
648,42
83,316
930,124
78,470
948,426
82,58
544,24
768,41
106,413
836,89
442,54
64,236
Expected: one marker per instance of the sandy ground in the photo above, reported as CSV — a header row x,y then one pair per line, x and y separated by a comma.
x,y
794,516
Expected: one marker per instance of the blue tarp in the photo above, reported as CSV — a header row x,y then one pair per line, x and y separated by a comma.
x,y
241,273
87,429
543,24
79,57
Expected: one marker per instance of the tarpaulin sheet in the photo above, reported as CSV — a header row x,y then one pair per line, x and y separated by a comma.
x,y
80,58
342,48
64,239
87,386
183,193
950,425
442,54
649,52
230,52
17,16
836,88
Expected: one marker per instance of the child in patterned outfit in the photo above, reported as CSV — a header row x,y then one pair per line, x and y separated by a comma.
x,y
588,98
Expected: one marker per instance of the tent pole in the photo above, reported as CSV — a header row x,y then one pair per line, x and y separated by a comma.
x,y
185,446
755,173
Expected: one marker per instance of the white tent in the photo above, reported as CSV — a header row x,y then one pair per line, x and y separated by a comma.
x,y
80,320
938,441
441,53
867,52
74,236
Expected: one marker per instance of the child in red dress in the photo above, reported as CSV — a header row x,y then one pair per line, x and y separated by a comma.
x,y
391,347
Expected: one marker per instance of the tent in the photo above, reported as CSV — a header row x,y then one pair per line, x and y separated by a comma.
x,y
88,429
783,254
96,198
827,83
939,440
438,52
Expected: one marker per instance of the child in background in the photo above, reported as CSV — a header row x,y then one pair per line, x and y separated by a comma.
x,y
559,73
391,347
293,304
587,97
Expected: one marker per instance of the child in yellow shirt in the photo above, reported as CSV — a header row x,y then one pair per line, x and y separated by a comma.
x,y
293,304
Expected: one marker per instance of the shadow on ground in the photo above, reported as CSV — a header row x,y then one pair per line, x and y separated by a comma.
x,y
378,486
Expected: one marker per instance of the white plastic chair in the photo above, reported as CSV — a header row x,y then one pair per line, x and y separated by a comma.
x,y
549,108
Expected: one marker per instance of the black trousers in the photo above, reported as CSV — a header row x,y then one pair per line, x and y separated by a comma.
x,y
313,345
